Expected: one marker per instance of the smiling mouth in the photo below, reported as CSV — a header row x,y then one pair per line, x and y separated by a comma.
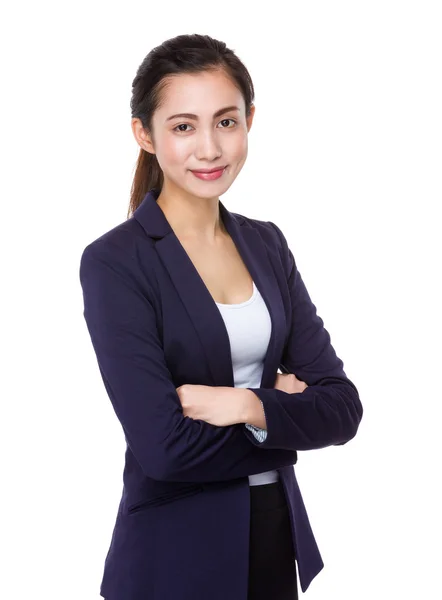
x,y
208,170
211,175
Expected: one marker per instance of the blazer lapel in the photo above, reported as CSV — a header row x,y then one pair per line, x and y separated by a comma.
x,y
197,299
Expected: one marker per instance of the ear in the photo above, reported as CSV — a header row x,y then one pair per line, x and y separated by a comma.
x,y
142,136
249,119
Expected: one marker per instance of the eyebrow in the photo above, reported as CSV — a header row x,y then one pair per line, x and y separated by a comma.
x,y
219,112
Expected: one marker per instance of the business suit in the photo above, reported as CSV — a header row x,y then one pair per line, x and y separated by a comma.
x,y
182,528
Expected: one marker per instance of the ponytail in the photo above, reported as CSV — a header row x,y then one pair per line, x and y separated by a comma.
x,y
148,175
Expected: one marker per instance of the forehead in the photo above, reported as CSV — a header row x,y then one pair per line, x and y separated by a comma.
x,y
200,93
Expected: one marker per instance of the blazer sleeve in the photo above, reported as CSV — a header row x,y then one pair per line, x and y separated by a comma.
x,y
259,433
168,445
329,410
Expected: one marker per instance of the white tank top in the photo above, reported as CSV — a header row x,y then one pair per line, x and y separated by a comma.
x,y
249,327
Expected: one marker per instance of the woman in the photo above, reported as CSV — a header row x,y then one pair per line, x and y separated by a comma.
x,y
191,310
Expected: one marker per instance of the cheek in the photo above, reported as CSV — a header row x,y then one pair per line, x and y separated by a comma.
x,y
238,146
172,152
238,151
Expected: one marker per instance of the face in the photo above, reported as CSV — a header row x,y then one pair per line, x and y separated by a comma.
x,y
206,137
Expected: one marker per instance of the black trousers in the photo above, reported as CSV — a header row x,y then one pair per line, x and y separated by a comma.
x,y
272,566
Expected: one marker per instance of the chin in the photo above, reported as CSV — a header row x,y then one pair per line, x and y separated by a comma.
x,y
207,189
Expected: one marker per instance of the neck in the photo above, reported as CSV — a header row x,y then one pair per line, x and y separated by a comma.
x,y
192,217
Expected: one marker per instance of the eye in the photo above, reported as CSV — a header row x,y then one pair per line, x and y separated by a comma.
x,y
181,125
224,120
187,125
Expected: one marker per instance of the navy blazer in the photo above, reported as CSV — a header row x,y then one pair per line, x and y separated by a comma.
x,y
182,527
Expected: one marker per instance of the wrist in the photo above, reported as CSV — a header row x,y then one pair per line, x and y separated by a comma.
x,y
252,410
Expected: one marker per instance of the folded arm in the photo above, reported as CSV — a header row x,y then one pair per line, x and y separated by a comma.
x,y
168,445
329,410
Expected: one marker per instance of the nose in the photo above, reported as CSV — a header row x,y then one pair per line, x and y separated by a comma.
x,y
207,146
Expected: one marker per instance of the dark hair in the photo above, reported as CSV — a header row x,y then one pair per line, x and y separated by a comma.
x,y
182,54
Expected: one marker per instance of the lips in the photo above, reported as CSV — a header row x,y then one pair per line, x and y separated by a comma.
x,y
211,174
209,170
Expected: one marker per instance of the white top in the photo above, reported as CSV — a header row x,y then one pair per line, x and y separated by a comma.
x,y
249,327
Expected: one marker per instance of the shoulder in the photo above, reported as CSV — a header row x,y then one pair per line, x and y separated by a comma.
x,y
272,236
122,241
267,229
123,251
124,237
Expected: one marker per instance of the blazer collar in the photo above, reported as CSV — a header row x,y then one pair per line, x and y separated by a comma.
x,y
197,299
154,222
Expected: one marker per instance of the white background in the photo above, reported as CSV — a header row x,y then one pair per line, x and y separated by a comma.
x,y
344,155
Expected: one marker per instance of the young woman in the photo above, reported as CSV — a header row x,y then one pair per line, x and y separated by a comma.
x,y
192,309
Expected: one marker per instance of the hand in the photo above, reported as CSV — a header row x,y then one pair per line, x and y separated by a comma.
x,y
217,405
288,382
